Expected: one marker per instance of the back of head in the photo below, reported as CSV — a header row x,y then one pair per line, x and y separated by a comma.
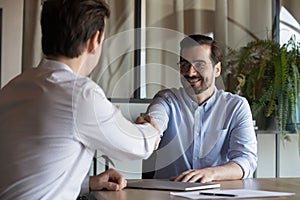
x,y
68,24
197,39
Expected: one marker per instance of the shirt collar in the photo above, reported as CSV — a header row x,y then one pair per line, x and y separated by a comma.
x,y
210,102
206,105
53,64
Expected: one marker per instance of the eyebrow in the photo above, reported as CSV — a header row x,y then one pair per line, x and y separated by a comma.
x,y
199,61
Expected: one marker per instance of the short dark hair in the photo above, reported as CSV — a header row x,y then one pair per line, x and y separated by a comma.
x,y
197,39
68,24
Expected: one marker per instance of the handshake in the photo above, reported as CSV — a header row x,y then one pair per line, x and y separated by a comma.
x,y
148,119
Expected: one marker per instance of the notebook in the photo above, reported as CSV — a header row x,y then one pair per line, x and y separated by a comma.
x,y
156,184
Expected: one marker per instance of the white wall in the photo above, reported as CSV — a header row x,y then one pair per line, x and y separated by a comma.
x,y
266,156
11,41
288,156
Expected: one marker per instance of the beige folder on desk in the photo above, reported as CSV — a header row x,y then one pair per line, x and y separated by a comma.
x,y
156,184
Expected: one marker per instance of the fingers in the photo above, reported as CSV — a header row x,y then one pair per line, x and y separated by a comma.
x,y
111,186
144,119
183,177
191,176
116,178
114,186
110,180
148,119
140,120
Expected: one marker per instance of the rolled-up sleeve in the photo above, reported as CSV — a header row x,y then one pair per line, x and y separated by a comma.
x,y
243,142
159,110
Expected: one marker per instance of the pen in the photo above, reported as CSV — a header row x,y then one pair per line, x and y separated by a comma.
x,y
217,194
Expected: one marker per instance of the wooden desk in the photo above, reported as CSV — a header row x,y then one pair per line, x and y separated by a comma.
x,y
270,184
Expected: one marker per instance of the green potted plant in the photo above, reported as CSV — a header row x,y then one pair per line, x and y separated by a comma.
x,y
268,75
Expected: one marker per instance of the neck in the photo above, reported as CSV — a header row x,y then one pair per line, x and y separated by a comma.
x,y
73,63
205,95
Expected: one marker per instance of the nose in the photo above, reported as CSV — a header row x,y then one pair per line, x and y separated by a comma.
x,y
192,70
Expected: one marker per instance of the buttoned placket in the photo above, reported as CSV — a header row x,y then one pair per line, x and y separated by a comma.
x,y
198,135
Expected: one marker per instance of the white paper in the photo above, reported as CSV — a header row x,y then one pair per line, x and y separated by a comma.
x,y
240,193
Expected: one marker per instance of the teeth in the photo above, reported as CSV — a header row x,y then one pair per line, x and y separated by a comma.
x,y
194,80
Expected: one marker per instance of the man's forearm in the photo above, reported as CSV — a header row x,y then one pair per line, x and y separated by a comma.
x,y
228,171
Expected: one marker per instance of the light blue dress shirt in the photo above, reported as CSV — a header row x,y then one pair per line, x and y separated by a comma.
x,y
196,137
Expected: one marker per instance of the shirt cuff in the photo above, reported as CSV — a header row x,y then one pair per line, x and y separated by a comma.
x,y
85,186
247,167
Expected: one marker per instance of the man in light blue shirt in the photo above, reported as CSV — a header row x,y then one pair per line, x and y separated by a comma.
x,y
208,134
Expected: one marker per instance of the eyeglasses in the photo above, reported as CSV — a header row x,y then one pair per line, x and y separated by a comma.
x,y
185,65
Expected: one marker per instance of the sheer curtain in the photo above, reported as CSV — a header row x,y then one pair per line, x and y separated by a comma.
x,y
173,20
32,52
293,7
114,72
232,22
164,23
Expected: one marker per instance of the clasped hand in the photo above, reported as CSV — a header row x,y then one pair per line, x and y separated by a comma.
x,y
148,119
110,180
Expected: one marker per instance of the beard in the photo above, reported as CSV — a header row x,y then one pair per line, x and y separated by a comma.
x,y
195,85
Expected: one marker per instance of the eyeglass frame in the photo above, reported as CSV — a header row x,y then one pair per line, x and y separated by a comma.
x,y
188,65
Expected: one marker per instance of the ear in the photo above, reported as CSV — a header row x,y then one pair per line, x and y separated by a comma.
x,y
93,42
218,69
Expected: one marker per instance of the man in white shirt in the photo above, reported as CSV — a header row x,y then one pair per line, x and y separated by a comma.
x,y
53,118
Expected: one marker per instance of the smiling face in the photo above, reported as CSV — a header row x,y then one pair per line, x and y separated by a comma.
x,y
200,74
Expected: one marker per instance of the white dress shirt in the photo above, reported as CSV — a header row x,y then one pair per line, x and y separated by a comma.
x,y
51,123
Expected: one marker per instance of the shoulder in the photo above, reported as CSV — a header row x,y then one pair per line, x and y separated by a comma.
x,y
231,99
167,92
170,94
230,96
88,88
